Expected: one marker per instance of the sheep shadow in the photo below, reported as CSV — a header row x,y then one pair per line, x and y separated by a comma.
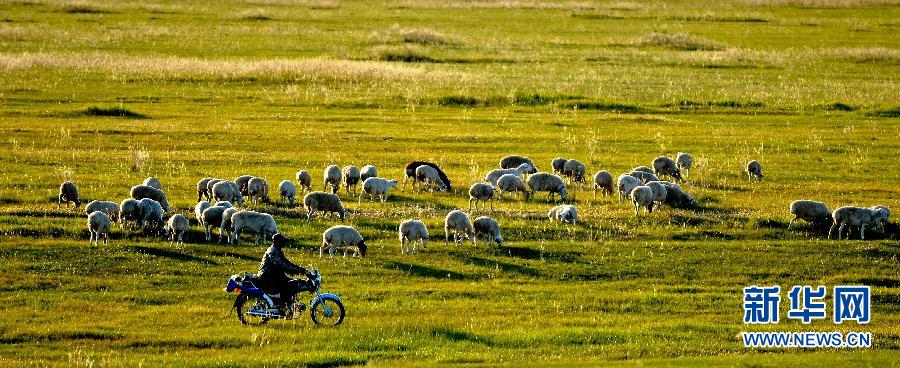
x,y
170,254
505,266
535,254
424,271
228,254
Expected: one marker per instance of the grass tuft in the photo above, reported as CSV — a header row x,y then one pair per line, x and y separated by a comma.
x,y
405,53
893,112
602,106
678,41
839,106
117,111
255,14
874,55
80,7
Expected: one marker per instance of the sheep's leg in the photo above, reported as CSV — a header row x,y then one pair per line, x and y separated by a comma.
x,y
446,236
402,245
403,188
322,249
309,215
106,238
206,231
636,208
345,251
424,243
831,231
792,222
91,237
862,231
841,231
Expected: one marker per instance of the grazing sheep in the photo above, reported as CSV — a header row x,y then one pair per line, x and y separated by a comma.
x,y
209,187
153,182
512,183
341,236
258,190
332,176
227,225
642,196
203,189
325,202
410,171
495,174
603,180
563,213
558,164
351,178
130,211
151,219
659,192
546,182
575,171
198,210
513,161
68,192
644,177
366,172
227,191
626,183
459,222
685,162
882,216
225,204
288,192
481,192
176,227
243,182
813,212
377,187
643,169
98,224
754,170
413,231
663,165
143,191
212,217
261,224
429,178
488,227
677,198
304,180
849,216
111,209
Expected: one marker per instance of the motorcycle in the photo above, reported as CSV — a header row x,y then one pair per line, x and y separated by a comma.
x,y
255,307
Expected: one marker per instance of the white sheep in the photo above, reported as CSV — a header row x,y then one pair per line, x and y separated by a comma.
x,y
261,224
143,191
575,171
558,164
227,190
458,221
813,212
644,177
410,171
546,182
326,202
225,204
130,211
203,189
428,177
882,216
413,231
512,183
332,176
849,216
514,161
676,197
481,192
495,174
754,171
198,210
227,226
209,187
663,165
489,228
111,209
659,192
288,192
212,217
98,224
258,190
626,183
153,182
243,182
176,227
304,180
377,187
685,162
341,236
563,213
366,172
351,176
603,180
151,219
643,169
68,193
642,196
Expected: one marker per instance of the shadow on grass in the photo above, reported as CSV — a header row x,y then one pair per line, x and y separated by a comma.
x,y
504,266
170,254
457,336
535,254
425,271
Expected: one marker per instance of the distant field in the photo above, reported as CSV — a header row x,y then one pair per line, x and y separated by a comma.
x,y
108,93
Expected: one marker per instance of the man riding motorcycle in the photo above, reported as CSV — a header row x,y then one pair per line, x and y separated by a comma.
x,y
274,269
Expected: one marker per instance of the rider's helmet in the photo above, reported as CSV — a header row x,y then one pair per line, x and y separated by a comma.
x,y
279,240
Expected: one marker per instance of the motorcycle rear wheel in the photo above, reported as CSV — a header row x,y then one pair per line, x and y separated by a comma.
x,y
318,311
243,305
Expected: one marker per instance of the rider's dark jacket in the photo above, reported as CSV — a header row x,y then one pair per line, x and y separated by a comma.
x,y
275,267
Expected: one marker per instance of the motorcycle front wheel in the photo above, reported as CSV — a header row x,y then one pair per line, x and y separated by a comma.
x,y
327,311
247,302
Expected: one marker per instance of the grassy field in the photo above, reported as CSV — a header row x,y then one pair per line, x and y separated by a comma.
x,y
108,93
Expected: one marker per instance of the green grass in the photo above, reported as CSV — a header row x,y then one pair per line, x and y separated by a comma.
x,y
108,93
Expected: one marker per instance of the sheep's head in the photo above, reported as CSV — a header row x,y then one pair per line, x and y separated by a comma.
x,y
362,248
392,184
563,194
676,174
499,240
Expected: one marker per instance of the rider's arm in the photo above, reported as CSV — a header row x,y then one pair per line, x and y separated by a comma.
x,y
288,266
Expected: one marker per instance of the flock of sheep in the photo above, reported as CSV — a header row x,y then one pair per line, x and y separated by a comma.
x,y
216,200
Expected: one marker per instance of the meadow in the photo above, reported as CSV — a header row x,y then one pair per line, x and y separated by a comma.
x,y
108,93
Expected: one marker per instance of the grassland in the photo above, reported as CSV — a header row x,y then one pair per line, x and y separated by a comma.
x,y
107,93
